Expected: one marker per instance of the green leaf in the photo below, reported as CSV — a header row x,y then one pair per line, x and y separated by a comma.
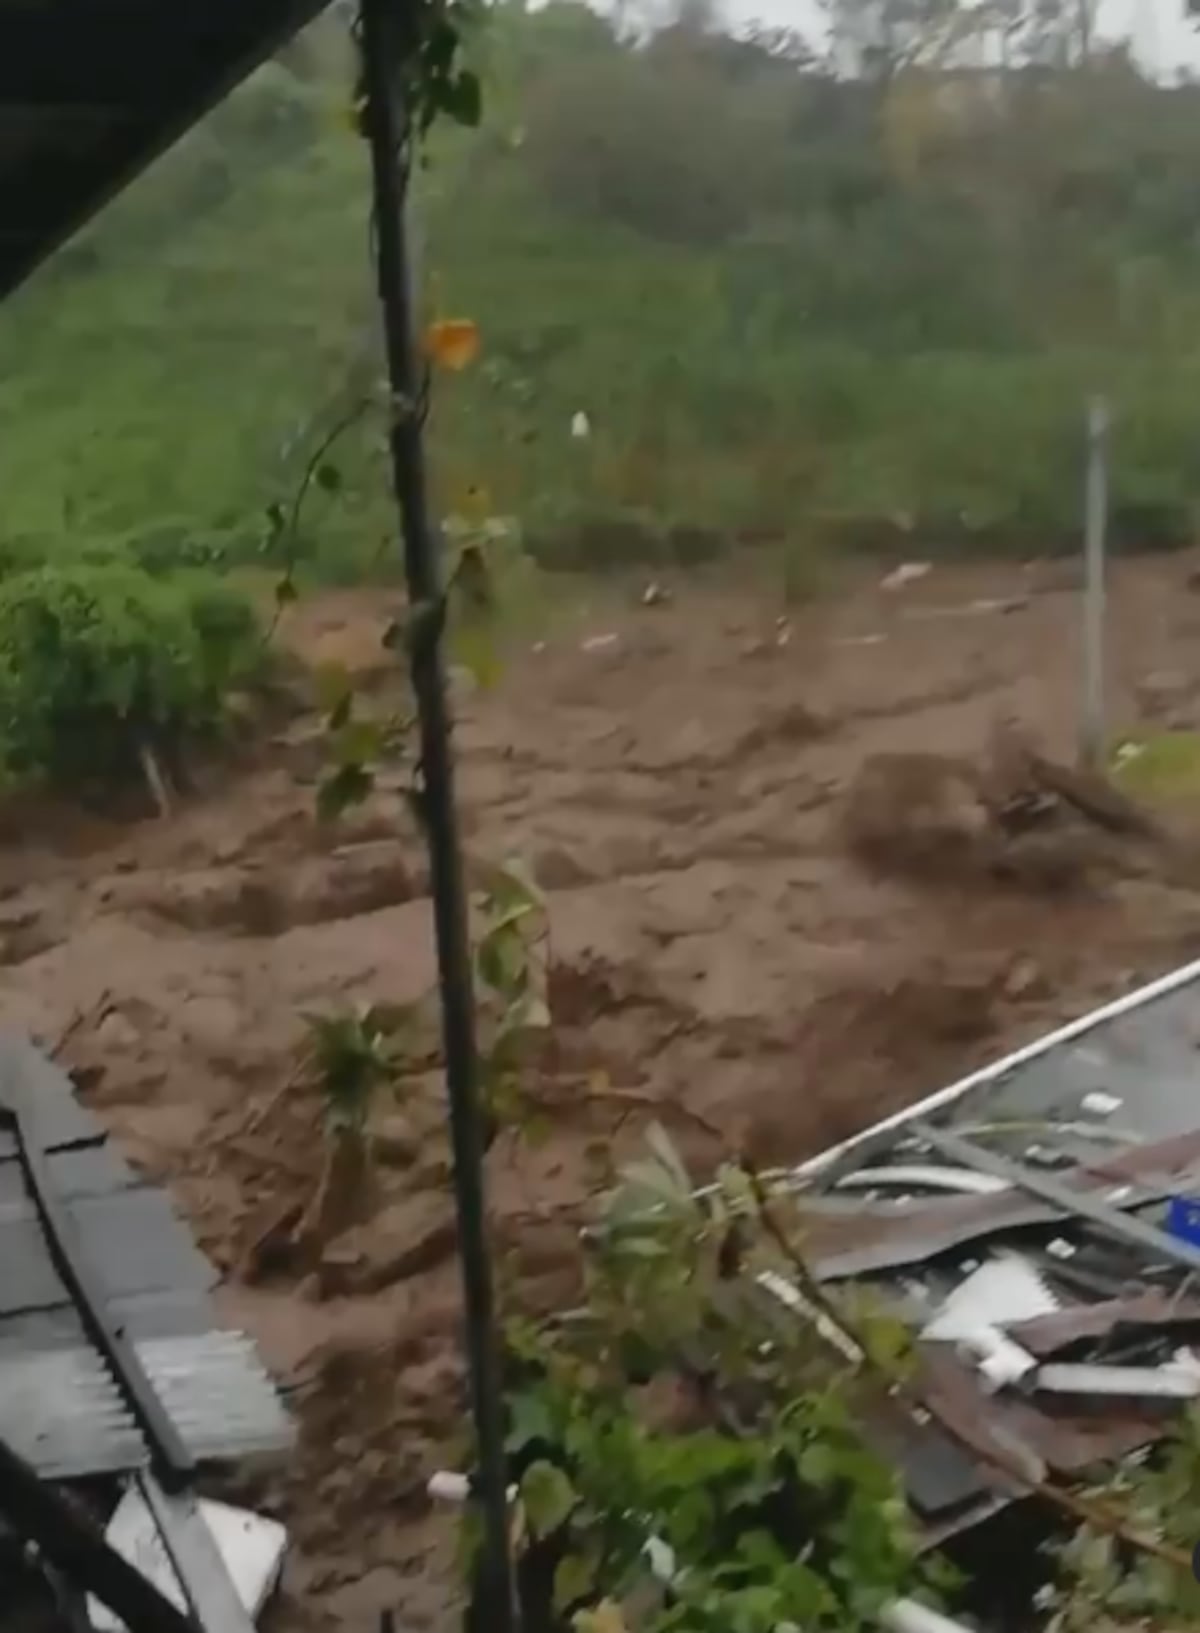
x,y
474,647
462,98
529,1421
817,1464
607,1617
664,1150
500,959
470,1539
537,1131
358,742
548,1496
574,1579
513,887
333,685
473,580
349,785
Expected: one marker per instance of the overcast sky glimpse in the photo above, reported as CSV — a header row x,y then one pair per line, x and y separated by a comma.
x,y
1164,40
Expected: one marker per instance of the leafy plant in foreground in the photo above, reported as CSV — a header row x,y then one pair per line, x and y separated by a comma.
x,y
512,962
1101,1582
688,1453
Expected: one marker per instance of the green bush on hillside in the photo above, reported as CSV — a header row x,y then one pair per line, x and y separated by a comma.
x,y
99,662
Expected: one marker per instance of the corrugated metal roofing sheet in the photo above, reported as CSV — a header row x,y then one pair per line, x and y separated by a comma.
x,y
60,1405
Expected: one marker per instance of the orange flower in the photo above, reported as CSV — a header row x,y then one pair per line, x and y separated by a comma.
x,y
453,342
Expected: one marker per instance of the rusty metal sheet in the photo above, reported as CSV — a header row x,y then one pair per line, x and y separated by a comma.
x,y
940,1477
1153,1311
1139,1049
875,1238
1094,1208
1001,1428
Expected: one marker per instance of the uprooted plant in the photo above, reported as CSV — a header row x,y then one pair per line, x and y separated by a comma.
x,y
352,1058
355,1058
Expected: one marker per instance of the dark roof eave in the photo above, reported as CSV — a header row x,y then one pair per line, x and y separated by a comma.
x,y
237,42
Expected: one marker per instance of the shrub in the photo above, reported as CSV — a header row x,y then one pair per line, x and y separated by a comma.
x,y
231,644
100,661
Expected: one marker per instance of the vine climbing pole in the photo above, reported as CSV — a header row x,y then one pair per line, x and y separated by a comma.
x,y
389,43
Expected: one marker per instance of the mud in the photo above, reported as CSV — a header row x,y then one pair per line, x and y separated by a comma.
x,y
694,796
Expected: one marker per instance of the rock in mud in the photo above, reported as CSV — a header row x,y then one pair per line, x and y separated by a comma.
x,y
117,1031
394,1141
404,1240
556,868
916,813
361,879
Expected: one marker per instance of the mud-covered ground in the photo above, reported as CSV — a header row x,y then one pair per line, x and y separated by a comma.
x,y
682,792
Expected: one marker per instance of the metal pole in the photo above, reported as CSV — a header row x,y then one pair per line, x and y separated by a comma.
x,y
386,46
1091,732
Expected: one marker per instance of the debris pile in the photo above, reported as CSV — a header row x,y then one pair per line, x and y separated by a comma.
x,y
1017,817
1037,1229
1031,1233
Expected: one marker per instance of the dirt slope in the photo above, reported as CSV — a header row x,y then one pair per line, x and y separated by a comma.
x,y
682,792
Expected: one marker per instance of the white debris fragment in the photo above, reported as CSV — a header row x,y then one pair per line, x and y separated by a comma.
x,y
1001,1361
448,1486
1003,1290
1099,1104
925,1176
600,643
909,572
251,1547
581,426
1178,1379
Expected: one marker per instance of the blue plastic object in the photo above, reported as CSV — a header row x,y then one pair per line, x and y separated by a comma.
x,y
1183,1219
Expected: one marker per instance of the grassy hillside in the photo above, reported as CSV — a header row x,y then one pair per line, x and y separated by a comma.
x,y
781,298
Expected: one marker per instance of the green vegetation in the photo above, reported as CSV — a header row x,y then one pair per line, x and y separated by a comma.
x,y
683,1405
680,1405
862,307
103,665
1159,766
